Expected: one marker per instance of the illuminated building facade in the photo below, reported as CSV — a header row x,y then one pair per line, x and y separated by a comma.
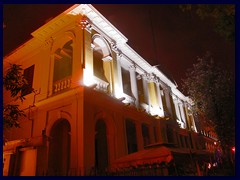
x,y
97,103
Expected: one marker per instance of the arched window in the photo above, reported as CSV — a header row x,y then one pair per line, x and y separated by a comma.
x,y
101,59
59,148
63,62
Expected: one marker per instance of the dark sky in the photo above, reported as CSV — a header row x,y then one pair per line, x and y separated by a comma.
x,y
161,34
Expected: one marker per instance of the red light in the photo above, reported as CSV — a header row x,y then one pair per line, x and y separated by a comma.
x,y
233,149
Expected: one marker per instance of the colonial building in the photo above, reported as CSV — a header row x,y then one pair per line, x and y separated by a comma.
x,y
97,105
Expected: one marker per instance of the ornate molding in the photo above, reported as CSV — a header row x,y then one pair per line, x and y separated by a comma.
x,y
48,43
114,47
132,67
85,24
139,76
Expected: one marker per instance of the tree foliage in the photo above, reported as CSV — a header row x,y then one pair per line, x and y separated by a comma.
x,y
224,15
212,90
14,82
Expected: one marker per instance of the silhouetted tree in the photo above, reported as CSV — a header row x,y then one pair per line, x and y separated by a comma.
x,y
14,82
212,90
224,15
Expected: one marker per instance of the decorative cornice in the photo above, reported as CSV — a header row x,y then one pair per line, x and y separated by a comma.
x,y
83,22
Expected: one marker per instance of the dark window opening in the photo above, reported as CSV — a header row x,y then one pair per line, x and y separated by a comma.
x,y
101,147
145,134
131,137
155,133
63,62
59,149
141,96
170,135
28,75
98,64
181,141
186,141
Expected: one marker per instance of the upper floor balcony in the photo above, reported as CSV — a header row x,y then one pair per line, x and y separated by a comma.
x,y
61,85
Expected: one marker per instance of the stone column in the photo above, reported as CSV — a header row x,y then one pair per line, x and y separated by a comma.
x,y
168,101
133,79
159,97
118,86
175,101
182,113
146,90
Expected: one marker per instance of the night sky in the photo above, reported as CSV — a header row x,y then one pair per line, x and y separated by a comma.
x,y
161,34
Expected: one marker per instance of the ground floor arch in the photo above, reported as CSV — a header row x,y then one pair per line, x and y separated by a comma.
x,y
59,148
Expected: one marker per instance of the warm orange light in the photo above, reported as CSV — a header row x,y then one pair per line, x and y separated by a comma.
x,y
233,149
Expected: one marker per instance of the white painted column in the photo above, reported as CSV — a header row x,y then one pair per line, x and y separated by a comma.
x,y
133,79
159,96
190,116
168,102
175,101
182,114
146,90
118,86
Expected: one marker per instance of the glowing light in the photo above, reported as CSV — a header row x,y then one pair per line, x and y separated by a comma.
x,y
88,77
209,166
233,149
181,124
156,111
118,92
215,143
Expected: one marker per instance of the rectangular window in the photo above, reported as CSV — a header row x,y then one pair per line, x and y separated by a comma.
x,y
131,136
181,141
170,135
145,134
186,141
28,75
191,141
155,133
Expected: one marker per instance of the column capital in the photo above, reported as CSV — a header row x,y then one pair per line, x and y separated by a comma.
x,y
132,67
174,97
114,47
84,23
150,77
139,76
119,54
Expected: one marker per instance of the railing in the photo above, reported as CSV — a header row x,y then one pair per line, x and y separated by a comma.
x,y
128,99
155,169
140,170
101,85
61,85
